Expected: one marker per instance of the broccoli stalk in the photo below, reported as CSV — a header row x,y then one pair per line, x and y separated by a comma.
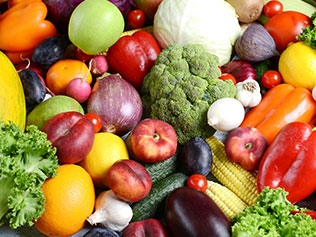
x,y
180,88
27,159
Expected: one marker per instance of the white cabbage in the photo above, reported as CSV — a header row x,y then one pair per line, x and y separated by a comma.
x,y
212,23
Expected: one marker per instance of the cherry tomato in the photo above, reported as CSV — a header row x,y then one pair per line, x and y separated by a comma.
x,y
285,27
197,181
136,18
228,76
271,78
95,120
272,8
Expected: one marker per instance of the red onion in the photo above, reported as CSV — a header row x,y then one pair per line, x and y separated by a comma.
x,y
117,102
125,6
240,69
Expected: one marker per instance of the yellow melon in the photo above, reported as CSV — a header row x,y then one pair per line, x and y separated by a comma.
x,y
12,99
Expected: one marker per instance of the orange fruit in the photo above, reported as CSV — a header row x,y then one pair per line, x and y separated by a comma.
x,y
297,65
70,199
106,150
63,71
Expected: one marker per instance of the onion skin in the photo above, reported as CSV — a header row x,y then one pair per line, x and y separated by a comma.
x,y
240,69
117,103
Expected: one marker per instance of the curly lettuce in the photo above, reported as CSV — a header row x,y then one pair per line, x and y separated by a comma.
x,y
27,159
271,217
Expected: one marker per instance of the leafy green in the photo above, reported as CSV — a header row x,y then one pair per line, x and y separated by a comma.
x,y
27,159
271,216
308,34
180,88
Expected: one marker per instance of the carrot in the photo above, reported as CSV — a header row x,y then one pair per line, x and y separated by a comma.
x,y
279,108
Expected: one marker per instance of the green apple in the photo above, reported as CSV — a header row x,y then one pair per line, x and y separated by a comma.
x,y
149,7
50,107
95,25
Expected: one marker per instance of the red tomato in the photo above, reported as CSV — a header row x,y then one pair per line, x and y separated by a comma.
x,y
197,181
95,120
136,18
272,8
285,27
271,78
228,76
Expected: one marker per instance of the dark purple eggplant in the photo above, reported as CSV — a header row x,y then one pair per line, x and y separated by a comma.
x,y
34,89
189,212
196,157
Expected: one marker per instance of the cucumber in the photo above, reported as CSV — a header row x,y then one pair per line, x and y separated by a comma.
x,y
163,168
152,205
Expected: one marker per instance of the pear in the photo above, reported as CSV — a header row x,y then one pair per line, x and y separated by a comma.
x,y
50,107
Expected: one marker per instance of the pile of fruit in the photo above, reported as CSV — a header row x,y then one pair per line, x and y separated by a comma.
x,y
117,121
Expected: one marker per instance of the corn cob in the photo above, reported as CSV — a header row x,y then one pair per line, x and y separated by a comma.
x,y
242,182
226,200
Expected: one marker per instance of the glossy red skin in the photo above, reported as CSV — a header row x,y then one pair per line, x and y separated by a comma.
x,y
271,78
149,7
290,162
136,18
198,182
153,140
246,146
129,180
72,134
240,69
145,228
285,27
132,56
95,120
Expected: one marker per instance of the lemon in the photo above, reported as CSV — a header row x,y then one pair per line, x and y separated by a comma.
x,y
106,150
297,65
12,99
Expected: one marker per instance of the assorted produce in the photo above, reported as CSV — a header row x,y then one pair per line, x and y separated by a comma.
x,y
158,117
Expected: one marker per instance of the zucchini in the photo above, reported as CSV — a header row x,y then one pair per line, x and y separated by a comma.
x,y
163,168
152,205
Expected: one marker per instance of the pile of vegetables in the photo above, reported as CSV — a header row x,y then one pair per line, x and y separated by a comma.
x,y
272,216
27,159
180,88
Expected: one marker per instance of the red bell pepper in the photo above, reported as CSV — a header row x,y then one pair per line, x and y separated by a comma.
x,y
290,162
132,56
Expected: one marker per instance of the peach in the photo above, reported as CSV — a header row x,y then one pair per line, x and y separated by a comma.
x,y
129,180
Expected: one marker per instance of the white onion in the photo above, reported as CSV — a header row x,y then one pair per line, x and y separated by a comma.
x,y
225,114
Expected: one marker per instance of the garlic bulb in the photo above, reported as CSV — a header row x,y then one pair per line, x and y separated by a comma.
x,y
111,212
248,93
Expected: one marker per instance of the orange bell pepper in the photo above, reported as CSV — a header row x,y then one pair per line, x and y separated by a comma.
x,y
23,25
281,105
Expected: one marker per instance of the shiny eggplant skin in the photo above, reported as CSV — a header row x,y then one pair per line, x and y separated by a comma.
x,y
189,212
100,232
33,87
196,157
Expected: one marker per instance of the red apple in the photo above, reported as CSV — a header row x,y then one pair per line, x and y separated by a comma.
x,y
246,146
145,228
72,134
153,140
129,180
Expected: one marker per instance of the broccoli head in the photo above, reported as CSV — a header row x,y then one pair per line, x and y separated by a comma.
x,y
180,88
